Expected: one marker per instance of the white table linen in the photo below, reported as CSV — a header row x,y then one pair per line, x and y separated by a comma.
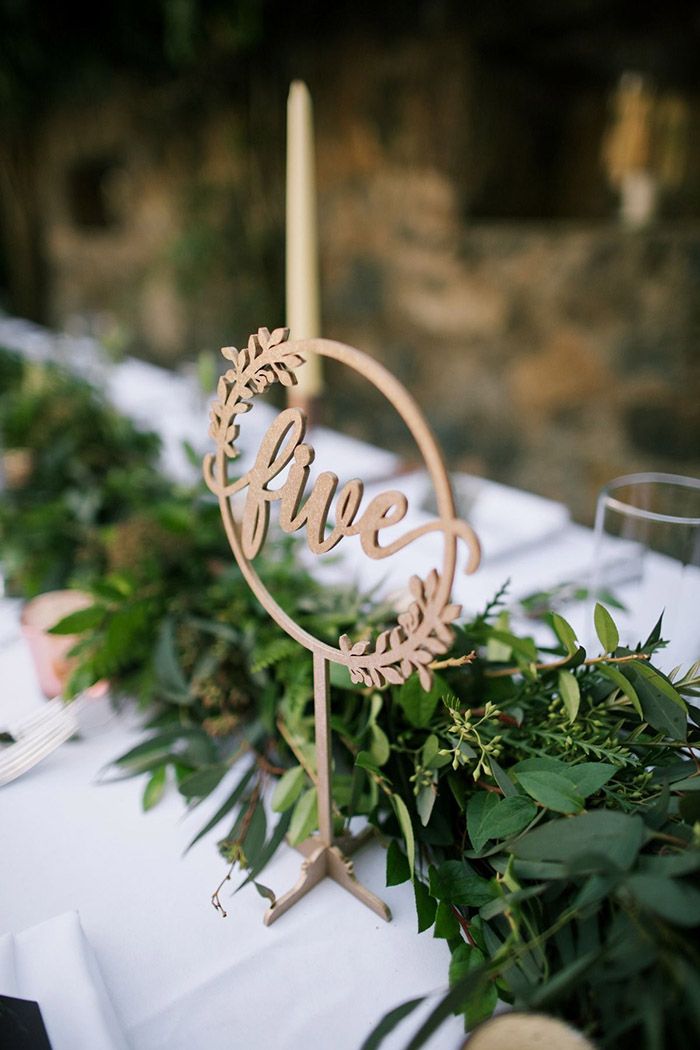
x,y
53,964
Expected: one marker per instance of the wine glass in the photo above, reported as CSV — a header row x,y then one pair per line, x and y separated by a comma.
x,y
647,557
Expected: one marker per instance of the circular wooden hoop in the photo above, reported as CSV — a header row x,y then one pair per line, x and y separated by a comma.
x,y
441,585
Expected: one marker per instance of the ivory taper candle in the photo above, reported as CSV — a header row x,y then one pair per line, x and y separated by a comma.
x,y
302,286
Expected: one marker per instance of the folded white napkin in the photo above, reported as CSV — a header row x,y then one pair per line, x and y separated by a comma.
x,y
54,965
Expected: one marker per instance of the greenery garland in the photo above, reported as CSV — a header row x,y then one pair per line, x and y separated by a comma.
x,y
543,803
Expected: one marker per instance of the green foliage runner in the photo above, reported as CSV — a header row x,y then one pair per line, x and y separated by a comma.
x,y
544,804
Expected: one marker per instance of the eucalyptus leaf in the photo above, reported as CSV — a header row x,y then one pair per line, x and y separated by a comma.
x,y
265,892
502,779
404,819
256,832
615,836
425,802
510,816
167,666
226,807
155,786
389,1022
676,901
379,748
570,693
288,789
552,790
304,817
203,782
622,683
266,852
663,707
589,777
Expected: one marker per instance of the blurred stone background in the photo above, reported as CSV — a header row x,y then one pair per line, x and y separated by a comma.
x,y
509,207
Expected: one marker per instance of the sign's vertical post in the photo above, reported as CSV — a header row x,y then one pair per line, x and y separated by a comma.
x,y
323,748
421,633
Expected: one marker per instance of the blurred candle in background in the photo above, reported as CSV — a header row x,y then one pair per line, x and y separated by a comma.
x,y
302,286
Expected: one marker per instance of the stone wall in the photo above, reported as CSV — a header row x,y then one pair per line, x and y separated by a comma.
x,y
551,352
553,359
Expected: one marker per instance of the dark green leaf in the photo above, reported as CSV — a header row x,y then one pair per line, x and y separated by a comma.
x,y
203,782
419,706
623,684
265,892
616,837
663,707
451,1003
171,680
506,902
502,779
552,790
677,902
455,883
269,849
365,761
655,633
162,742
563,980
255,835
589,777
479,809
446,925
480,1002
388,1023
79,621
510,816
425,905
397,868
672,864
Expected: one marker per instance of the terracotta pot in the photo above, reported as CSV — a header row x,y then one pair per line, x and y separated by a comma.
x,y
50,651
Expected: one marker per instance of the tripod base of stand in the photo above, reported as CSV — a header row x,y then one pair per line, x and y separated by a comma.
x,y
321,861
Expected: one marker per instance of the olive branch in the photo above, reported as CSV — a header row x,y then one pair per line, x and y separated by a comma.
x,y
267,359
422,633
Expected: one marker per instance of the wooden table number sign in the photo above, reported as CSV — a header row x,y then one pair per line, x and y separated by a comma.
x,y
421,633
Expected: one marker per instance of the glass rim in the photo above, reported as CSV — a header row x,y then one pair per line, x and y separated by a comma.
x,y
607,499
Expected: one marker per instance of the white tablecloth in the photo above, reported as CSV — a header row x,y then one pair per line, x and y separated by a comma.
x,y
178,974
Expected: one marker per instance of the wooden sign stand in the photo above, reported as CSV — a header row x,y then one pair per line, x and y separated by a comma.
x,y
421,633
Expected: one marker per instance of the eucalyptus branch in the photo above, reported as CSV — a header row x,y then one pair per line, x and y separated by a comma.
x,y
296,751
238,846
